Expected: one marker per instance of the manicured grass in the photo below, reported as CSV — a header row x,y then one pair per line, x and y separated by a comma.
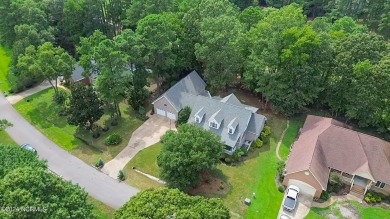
x,y
101,210
5,138
290,137
42,112
144,161
369,212
5,60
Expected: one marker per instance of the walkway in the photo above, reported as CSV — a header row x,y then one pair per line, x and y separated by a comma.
x,y
19,96
281,140
146,135
334,199
97,184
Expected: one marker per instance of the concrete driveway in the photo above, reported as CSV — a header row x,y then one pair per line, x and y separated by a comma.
x,y
302,208
146,135
97,184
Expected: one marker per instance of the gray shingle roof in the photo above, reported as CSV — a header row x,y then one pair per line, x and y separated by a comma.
x,y
178,93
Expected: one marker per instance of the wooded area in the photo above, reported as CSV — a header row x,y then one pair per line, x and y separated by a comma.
x,y
294,54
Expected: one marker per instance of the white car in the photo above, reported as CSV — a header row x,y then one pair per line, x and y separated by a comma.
x,y
291,198
285,216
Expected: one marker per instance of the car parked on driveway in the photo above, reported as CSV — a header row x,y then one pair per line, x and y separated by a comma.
x,y
28,147
285,216
291,199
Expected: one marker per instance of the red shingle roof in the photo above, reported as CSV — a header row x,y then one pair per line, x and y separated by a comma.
x,y
324,143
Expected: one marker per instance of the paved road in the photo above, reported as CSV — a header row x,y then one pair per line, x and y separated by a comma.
x,y
149,133
97,184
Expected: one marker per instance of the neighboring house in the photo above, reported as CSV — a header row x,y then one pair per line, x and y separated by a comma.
x,y
326,145
237,124
77,76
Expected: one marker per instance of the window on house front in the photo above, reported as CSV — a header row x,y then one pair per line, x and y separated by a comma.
x,y
231,130
380,184
213,125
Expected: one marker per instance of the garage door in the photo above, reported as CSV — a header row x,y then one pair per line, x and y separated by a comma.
x,y
161,112
171,115
304,187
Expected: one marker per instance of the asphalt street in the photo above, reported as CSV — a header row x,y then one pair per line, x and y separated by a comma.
x,y
97,184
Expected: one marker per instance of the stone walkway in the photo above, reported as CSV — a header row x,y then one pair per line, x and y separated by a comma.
x,y
281,140
146,135
150,176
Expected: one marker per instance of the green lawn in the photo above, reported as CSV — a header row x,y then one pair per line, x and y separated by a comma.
x,y
289,137
5,138
5,59
101,210
369,212
42,113
256,174
145,161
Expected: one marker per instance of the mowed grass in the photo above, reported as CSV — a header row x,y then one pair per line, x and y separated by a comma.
x,y
5,138
365,212
290,137
101,210
145,161
40,110
5,61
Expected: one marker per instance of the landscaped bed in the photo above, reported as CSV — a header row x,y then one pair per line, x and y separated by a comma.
x,y
40,110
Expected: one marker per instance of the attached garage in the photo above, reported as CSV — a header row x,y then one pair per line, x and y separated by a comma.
x,y
304,187
171,116
161,112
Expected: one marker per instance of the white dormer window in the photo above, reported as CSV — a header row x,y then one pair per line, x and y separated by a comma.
x,y
231,130
213,125
197,119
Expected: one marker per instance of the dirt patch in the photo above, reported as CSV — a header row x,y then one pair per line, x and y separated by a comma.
x,y
349,211
210,186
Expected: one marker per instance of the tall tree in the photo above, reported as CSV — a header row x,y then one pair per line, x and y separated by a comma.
x,y
287,60
49,61
158,35
350,50
186,153
169,203
85,108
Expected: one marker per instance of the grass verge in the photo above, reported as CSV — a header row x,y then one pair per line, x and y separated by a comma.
x,y
5,138
40,110
101,210
5,60
289,137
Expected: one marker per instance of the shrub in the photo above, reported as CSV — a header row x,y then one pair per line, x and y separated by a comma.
x,y
238,154
221,186
141,114
266,132
105,128
281,189
60,97
335,182
121,175
228,160
325,196
257,143
373,197
280,169
184,114
113,139
99,163
63,112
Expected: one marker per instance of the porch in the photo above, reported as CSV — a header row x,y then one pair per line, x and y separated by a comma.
x,y
359,186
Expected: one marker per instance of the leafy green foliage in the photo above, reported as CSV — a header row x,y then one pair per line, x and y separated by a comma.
x,y
186,153
60,97
167,203
266,132
374,197
280,169
5,124
13,157
121,175
99,163
325,196
28,186
184,115
335,182
84,106
257,143
113,139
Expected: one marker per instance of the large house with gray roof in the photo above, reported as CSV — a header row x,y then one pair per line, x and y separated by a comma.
x,y
237,124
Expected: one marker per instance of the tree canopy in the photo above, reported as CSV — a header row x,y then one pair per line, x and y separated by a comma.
x,y
168,203
186,153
